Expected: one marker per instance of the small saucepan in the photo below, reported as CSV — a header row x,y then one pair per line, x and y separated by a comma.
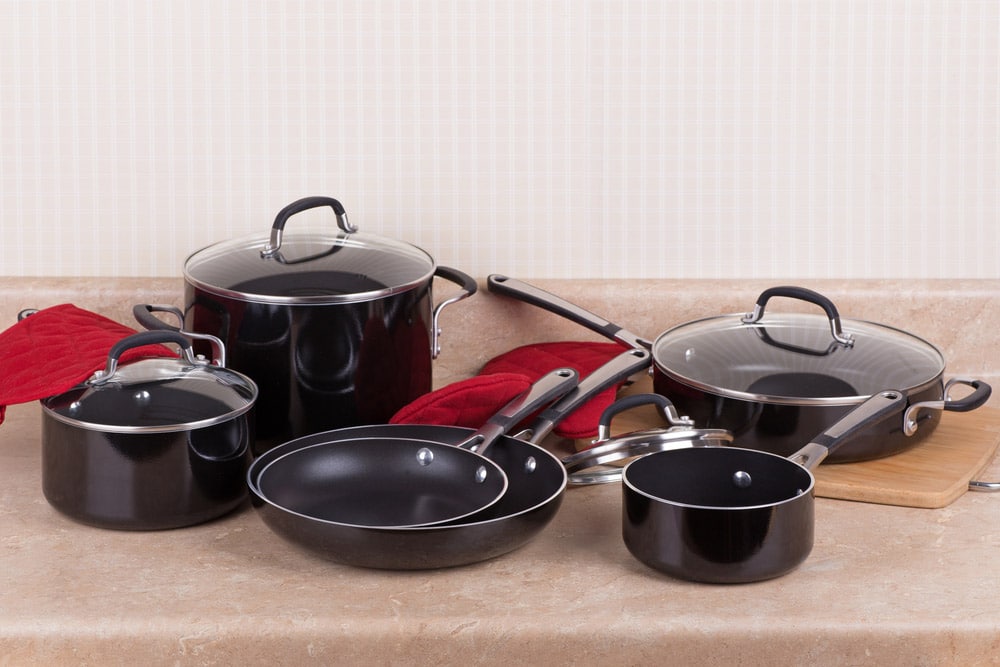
x,y
730,514
152,444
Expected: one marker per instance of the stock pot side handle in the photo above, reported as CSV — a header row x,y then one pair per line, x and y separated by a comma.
x,y
143,314
469,287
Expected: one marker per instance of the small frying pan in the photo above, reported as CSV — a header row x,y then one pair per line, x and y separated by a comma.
x,y
732,515
391,481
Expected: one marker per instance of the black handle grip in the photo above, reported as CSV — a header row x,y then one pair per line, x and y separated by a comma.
x,y
147,338
305,204
464,280
800,293
143,314
981,393
629,402
522,291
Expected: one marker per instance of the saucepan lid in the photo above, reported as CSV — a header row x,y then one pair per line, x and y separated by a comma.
x,y
601,463
154,394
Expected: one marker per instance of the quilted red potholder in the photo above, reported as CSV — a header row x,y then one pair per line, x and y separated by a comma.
x,y
472,402
469,403
57,348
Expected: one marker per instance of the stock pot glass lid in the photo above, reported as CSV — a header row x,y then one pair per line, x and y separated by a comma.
x,y
310,268
793,356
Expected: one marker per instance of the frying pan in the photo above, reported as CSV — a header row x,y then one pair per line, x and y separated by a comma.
x,y
395,481
536,481
729,514
774,384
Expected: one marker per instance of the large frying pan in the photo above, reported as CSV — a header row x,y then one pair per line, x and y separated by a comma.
x,y
733,515
536,481
776,382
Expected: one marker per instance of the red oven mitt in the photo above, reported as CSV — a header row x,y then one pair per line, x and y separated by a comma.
x,y
470,403
57,348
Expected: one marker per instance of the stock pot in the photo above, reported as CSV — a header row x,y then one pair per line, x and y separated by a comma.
x,y
336,327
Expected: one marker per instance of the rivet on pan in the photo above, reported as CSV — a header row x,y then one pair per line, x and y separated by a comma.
x,y
530,464
425,456
742,479
481,474
142,397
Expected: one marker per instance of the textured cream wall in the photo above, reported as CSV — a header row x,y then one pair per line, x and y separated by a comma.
x,y
562,139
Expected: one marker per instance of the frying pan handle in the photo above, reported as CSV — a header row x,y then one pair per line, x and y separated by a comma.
x,y
304,204
543,391
618,369
522,291
981,393
140,339
802,294
469,287
143,314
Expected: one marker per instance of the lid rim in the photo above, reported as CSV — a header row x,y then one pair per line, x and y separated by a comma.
x,y
253,245
182,427
316,300
240,391
881,338
822,401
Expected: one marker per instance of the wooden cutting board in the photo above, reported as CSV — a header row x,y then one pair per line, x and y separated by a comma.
x,y
931,474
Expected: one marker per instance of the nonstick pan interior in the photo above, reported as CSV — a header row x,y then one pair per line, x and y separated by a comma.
x,y
383,482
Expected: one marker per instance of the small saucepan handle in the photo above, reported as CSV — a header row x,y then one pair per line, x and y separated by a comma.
x,y
140,339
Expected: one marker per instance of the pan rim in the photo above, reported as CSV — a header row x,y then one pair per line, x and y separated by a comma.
x,y
415,441
253,474
630,486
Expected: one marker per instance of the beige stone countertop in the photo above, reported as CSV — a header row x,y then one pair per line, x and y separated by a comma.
x,y
883,585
